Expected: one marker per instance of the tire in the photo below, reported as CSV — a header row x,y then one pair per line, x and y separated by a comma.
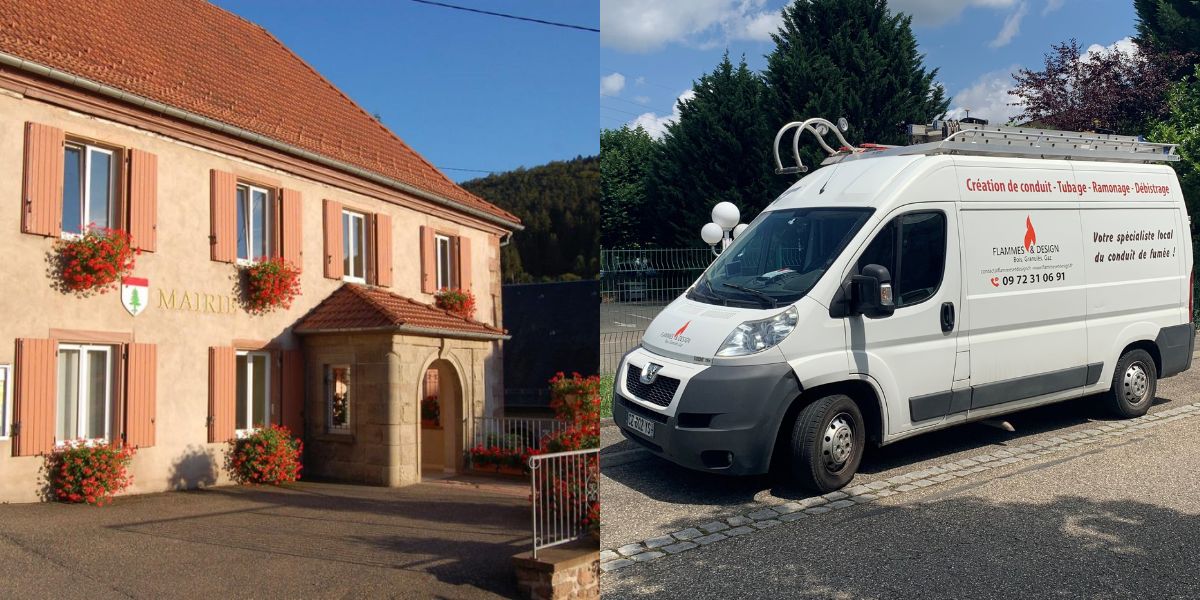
x,y
1134,384
827,443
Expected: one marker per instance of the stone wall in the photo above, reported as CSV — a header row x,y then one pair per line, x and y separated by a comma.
x,y
560,573
383,445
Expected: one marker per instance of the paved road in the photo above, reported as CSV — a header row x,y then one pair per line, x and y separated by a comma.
x,y
1072,504
308,540
628,316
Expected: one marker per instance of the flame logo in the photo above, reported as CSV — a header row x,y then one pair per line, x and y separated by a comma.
x,y
682,329
1030,234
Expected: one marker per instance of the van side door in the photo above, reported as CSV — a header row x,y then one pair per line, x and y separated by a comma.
x,y
911,353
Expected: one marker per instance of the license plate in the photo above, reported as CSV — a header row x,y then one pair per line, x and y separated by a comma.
x,y
640,424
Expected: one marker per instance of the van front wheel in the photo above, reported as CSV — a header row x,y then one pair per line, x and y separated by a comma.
x,y
827,443
1134,384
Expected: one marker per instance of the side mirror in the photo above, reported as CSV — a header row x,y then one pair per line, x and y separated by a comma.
x,y
871,292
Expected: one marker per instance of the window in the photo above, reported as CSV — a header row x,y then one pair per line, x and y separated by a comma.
x,y
919,239
5,401
354,246
253,223
85,382
89,188
253,409
780,257
337,395
446,277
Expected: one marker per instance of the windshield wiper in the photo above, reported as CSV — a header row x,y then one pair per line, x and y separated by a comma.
x,y
767,297
711,293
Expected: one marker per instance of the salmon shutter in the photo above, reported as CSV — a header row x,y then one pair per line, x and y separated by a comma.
x,y
428,261
333,240
141,387
42,195
143,199
222,393
223,219
293,391
464,263
383,250
289,217
34,406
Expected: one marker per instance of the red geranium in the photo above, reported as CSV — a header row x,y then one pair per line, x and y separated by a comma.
x,y
270,284
91,472
456,301
96,260
269,455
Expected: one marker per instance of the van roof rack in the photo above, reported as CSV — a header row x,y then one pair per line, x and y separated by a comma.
x,y
957,137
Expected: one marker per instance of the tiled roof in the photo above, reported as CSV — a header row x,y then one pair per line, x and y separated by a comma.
x,y
355,306
202,59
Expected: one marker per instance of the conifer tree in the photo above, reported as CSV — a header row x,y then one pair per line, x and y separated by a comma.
x,y
854,59
718,150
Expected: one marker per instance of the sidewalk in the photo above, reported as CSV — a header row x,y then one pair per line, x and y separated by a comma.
x,y
1114,519
452,538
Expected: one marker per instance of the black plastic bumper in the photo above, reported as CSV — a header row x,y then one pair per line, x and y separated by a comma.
x,y
726,420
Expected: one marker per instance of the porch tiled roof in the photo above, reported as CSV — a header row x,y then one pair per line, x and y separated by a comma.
x,y
358,307
200,58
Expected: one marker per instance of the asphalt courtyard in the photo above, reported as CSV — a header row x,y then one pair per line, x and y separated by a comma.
x,y
1072,504
306,540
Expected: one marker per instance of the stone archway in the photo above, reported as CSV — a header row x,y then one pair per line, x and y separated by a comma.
x,y
443,425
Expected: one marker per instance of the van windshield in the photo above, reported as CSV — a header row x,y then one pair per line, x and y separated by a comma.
x,y
780,257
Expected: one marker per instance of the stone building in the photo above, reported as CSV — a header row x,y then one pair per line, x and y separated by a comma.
x,y
215,147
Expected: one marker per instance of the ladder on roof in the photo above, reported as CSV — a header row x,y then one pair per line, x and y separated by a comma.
x,y
992,140
954,137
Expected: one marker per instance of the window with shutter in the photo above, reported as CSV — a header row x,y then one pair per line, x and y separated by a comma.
x,y
141,381
143,200
223,216
333,240
34,397
222,393
293,391
382,251
42,193
290,226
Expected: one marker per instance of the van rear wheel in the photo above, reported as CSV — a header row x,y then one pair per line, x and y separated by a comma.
x,y
1134,383
828,438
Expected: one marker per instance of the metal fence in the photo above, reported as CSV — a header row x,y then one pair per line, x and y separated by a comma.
x,y
513,435
635,285
565,488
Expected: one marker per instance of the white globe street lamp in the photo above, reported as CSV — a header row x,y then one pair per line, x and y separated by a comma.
x,y
711,233
724,228
726,215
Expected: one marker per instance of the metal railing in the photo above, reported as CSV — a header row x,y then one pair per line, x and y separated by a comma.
x,y
565,488
635,285
513,434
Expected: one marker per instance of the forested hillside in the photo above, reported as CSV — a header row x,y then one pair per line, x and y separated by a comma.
x,y
559,203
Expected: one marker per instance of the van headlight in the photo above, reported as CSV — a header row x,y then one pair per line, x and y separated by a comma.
x,y
756,336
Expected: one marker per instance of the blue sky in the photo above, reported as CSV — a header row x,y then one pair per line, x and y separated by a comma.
x,y
467,91
652,50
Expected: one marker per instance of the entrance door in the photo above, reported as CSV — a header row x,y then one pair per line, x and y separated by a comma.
x,y
911,353
441,421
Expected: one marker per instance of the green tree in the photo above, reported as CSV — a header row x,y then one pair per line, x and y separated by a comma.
x,y
853,59
718,150
1182,127
559,204
1165,26
624,163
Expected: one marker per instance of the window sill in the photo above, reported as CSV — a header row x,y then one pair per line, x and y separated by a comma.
x,y
340,437
358,280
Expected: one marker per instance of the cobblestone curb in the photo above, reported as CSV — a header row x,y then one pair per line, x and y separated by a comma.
x,y
770,515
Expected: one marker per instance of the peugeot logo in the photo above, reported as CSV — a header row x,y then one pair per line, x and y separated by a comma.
x,y
650,373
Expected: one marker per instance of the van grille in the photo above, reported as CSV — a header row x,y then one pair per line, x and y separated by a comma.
x,y
659,393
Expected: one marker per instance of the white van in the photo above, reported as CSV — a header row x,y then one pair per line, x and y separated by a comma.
x,y
902,290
